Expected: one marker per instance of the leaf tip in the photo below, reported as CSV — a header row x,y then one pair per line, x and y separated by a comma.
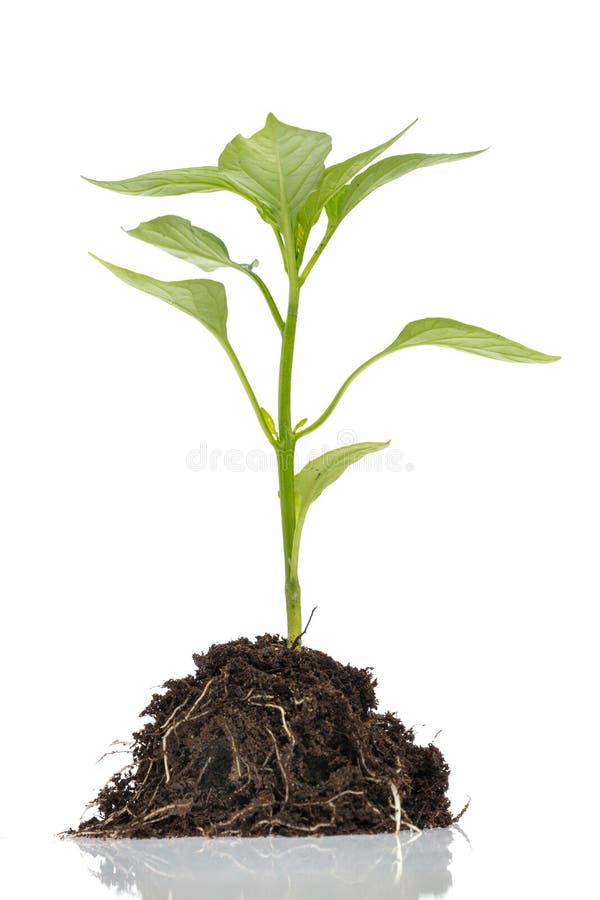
x,y
99,259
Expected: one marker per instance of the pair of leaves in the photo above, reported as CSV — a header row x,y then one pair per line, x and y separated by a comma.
x,y
280,169
201,248
345,185
381,173
332,181
203,299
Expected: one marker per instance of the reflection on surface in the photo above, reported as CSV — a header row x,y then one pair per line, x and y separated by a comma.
x,y
352,866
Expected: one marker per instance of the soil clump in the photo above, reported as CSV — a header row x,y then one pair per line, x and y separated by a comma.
x,y
264,740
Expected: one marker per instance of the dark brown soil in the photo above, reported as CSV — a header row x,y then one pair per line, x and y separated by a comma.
x,y
265,740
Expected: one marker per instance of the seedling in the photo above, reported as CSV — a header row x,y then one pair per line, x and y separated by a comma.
x,y
281,171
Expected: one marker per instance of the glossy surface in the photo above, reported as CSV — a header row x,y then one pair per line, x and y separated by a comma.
x,y
355,866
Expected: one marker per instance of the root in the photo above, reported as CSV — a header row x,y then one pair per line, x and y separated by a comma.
x,y
176,725
462,812
361,756
284,721
200,698
162,809
203,770
281,766
166,756
234,749
247,811
293,827
397,808
324,800
143,784
174,713
297,640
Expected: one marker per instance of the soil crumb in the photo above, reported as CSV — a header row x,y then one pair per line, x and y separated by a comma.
x,y
263,740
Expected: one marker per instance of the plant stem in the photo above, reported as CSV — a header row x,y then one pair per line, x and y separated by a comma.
x,y
248,388
286,448
268,297
308,267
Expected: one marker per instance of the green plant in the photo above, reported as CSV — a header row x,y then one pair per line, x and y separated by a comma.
x,y
281,171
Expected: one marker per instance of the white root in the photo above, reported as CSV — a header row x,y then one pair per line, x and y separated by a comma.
x,y
397,807
242,812
236,756
200,698
176,725
281,766
397,816
365,766
141,787
166,755
162,809
203,770
286,727
292,827
299,702
330,800
174,713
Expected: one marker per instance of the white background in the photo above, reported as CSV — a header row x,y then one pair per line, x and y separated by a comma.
x,y
468,583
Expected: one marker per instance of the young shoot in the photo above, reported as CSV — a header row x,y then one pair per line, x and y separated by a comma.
x,y
281,171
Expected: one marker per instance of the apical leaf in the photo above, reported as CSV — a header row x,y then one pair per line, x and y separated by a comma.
x,y
334,178
201,298
169,182
381,173
470,338
278,167
180,238
319,473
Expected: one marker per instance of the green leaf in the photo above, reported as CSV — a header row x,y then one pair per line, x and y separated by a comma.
x,y
269,421
334,178
319,473
182,239
278,167
201,298
381,173
169,183
469,338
